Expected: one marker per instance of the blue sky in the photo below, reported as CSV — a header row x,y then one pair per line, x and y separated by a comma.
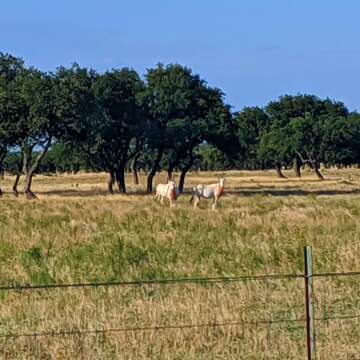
x,y
254,50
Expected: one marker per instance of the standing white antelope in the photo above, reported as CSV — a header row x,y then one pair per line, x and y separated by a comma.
x,y
212,191
167,190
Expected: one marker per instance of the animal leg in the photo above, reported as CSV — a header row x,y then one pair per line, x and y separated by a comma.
x,y
196,202
214,205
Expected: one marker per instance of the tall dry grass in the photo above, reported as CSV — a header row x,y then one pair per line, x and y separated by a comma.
x,y
75,232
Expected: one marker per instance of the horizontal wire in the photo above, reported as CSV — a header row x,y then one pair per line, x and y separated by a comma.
x,y
174,281
335,274
345,317
167,327
149,328
153,282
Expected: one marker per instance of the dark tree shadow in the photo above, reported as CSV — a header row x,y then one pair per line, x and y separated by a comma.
x,y
290,192
89,193
238,191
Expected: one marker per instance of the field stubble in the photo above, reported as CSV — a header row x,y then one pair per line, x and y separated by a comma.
x,y
75,232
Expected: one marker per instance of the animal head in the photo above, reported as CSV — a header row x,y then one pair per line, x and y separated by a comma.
x,y
222,182
171,184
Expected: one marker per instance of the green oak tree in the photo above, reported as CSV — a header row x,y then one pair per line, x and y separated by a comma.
x,y
10,69
183,112
283,140
251,123
103,117
37,119
120,129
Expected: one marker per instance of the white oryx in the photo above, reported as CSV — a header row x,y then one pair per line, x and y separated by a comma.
x,y
212,191
167,190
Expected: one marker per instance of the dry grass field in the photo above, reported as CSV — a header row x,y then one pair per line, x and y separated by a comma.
x,y
76,232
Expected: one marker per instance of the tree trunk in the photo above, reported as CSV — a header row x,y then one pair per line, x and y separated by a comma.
x,y
279,172
317,171
120,179
30,165
134,170
2,173
2,176
16,183
182,177
135,176
153,171
27,189
111,182
149,185
297,167
170,172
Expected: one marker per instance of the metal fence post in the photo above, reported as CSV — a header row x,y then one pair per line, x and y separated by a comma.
x,y
309,304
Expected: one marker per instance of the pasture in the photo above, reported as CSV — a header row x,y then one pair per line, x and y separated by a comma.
x,y
76,232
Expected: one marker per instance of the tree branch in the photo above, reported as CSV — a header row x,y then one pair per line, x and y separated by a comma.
x,y
41,155
305,161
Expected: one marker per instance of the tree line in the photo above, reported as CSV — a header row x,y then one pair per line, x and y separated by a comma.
x,y
77,118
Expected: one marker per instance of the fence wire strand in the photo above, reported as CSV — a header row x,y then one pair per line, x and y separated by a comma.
x,y
341,317
150,328
336,274
200,280
153,282
64,333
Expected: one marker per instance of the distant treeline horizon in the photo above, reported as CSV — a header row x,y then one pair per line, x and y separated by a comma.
x,y
78,119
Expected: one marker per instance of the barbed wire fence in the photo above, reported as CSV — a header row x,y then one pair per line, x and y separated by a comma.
x,y
308,321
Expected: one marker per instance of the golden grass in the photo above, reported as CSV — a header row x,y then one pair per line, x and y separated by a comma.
x,y
76,232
